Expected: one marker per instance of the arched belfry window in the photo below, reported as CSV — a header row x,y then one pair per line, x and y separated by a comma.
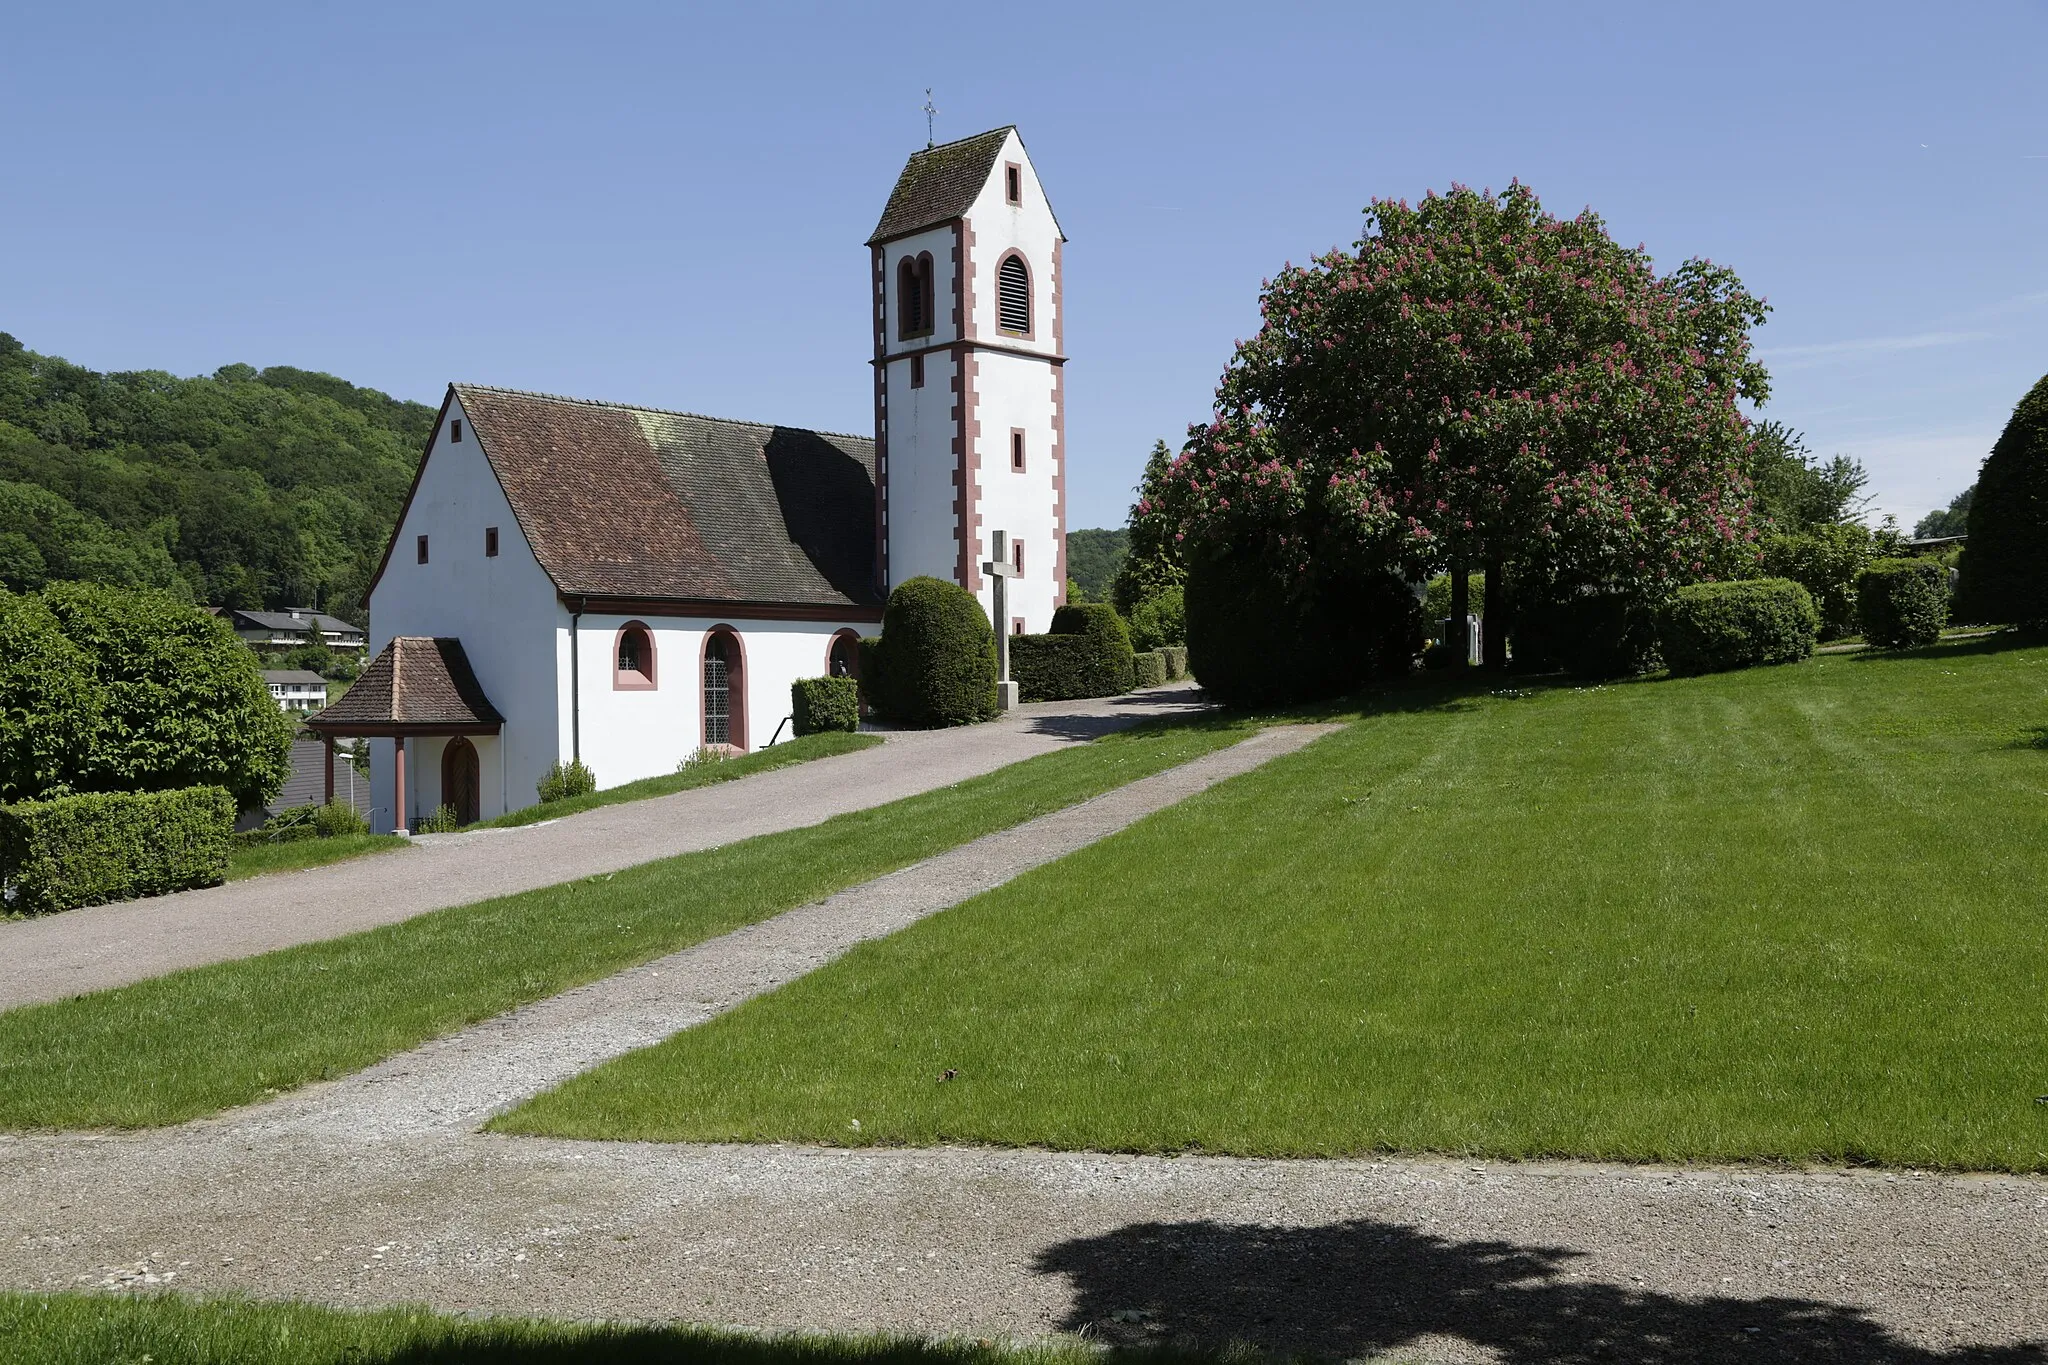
x,y
1013,295
914,296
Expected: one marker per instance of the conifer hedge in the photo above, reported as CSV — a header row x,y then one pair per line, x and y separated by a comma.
x,y
2004,568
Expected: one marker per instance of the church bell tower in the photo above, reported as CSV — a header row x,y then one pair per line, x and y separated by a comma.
x,y
970,430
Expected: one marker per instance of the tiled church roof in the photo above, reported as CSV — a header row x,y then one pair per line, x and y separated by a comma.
x,y
419,683
621,501
939,183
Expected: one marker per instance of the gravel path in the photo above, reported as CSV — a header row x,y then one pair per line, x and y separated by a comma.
x,y
110,945
375,1190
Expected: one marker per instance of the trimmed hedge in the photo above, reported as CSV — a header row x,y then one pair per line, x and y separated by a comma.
x,y
1708,627
935,664
1176,662
1086,654
1149,668
1259,634
1902,602
2005,561
113,846
1588,635
817,705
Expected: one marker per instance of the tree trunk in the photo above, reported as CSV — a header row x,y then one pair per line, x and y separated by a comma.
x,y
1498,614
1459,638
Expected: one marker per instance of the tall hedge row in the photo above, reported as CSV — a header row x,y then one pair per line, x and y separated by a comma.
x,y
935,664
1086,654
2004,568
1902,602
1707,627
1258,635
112,846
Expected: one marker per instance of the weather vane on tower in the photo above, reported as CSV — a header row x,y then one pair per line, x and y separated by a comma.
x,y
930,110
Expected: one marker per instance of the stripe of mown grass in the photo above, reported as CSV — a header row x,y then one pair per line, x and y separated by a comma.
x,y
1790,914
169,1329
802,750
198,1041
256,860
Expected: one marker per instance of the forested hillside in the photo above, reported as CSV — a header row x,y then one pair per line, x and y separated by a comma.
x,y
1093,558
249,488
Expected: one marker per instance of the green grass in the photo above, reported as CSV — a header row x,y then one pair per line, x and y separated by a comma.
x,y
1791,914
164,1329
192,1043
253,860
780,755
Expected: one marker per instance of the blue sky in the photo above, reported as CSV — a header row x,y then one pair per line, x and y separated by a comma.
x,y
665,204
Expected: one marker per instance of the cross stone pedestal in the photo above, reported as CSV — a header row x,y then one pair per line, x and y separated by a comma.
x,y
999,570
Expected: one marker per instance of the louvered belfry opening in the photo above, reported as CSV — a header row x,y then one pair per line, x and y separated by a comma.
x,y
1013,295
914,310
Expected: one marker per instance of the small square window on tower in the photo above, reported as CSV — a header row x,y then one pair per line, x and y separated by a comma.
x,y
1013,182
455,431
917,372
1017,450
1016,625
423,549
490,542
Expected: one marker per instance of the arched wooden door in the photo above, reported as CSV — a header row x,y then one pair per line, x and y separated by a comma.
x,y
459,779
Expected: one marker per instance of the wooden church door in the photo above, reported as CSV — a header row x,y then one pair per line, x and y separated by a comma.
x,y
459,779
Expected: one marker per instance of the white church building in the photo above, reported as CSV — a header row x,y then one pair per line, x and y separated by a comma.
x,y
622,585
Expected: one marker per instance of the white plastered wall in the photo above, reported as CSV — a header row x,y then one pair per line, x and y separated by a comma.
x,y
920,516
631,734
502,608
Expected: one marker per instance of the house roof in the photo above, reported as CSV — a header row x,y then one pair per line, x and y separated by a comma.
x,y
417,685
284,620
940,183
294,677
624,501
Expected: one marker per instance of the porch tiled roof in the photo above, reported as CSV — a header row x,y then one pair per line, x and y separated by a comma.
x,y
418,683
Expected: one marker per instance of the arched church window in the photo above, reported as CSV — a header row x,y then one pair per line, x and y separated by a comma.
x,y
1013,295
843,660
725,692
633,661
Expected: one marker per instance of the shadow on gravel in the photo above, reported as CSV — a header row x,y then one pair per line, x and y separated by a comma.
x,y
1360,1288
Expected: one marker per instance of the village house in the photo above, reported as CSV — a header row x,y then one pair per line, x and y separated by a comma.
x,y
624,586
296,689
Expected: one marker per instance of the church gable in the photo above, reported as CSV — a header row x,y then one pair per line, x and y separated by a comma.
x,y
945,182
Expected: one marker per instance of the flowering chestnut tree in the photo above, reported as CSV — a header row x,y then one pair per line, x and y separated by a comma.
x,y
1481,384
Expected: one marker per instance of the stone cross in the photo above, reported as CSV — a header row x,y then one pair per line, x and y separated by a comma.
x,y
999,569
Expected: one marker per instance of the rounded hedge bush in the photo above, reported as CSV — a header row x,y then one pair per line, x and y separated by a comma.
x,y
1256,637
937,658
1708,627
1902,602
2004,569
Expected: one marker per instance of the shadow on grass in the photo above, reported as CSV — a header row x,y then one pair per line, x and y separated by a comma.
x,y
2003,642
1352,1289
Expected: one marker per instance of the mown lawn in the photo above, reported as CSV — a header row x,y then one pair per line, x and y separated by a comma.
x,y
163,1329
175,1047
781,755
1794,914
253,860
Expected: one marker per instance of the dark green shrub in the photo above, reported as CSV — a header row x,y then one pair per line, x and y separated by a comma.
x,y
936,664
112,846
564,780
1902,602
1101,623
820,704
1160,620
1087,654
870,673
2004,568
49,706
1258,635
182,701
1824,561
1149,668
1176,662
1441,655
1708,627
1586,634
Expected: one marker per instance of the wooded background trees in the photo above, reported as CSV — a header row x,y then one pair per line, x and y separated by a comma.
x,y
244,488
